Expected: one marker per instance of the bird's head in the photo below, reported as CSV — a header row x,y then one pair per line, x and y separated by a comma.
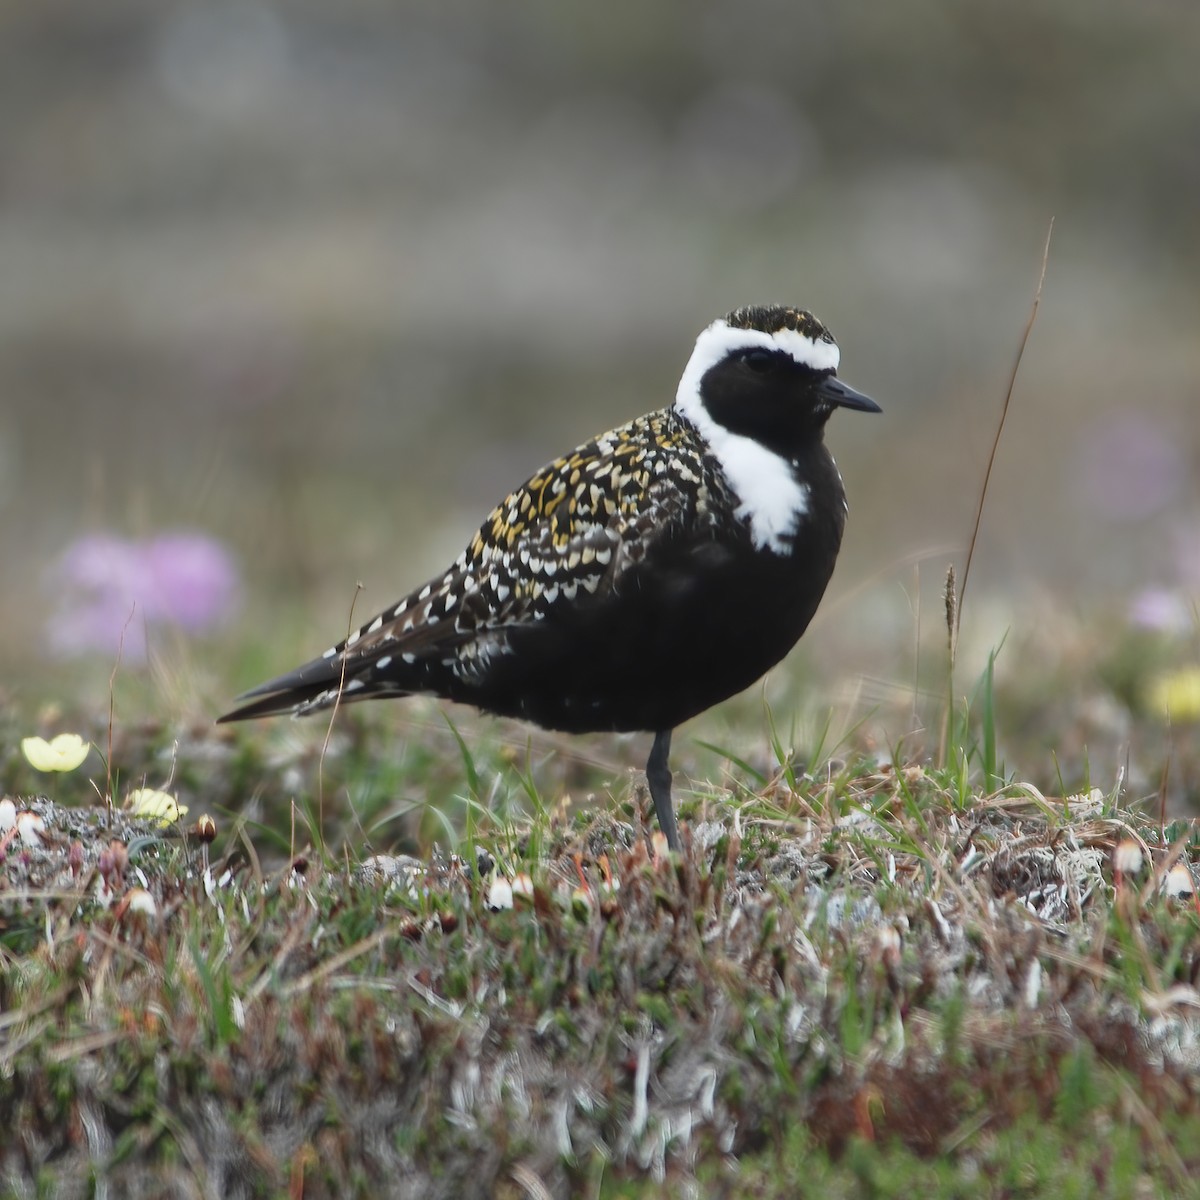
x,y
768,373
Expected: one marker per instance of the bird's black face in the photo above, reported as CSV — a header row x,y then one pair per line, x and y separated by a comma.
x,y
768,375
768,396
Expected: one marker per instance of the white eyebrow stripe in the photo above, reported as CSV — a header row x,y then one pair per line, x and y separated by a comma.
x,y
720,338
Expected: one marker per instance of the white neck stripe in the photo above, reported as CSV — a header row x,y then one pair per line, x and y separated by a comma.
x,y
770,500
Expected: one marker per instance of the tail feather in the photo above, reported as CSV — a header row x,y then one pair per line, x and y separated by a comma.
x,y
296,692
271,706
317,685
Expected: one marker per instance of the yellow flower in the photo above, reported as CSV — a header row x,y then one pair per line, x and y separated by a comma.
x,y
159,806
1177,694
63,753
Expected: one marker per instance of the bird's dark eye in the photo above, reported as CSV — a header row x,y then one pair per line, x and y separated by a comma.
x,y
760,361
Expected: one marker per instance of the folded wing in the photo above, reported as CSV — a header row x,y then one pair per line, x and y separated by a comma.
x,y
565,539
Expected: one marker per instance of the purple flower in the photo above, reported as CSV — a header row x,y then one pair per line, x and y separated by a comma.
x,y
111,589
1160,610
1128,469
193,581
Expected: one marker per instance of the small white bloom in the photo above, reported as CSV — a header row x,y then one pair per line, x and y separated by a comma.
x,y
1178,884
1033,984
140,901
500,894
30,827
8,815
1127,857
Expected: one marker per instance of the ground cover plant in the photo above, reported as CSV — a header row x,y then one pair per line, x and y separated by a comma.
x,y
459,961
869,971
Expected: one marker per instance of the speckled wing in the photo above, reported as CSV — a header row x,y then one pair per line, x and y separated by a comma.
x,y
571,532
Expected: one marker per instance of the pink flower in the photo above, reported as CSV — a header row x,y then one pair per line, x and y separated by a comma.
x,y
111,589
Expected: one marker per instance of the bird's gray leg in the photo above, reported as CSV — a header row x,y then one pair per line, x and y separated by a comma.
x,y
658,777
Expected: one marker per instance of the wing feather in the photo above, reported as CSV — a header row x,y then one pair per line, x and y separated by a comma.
x,y
569,533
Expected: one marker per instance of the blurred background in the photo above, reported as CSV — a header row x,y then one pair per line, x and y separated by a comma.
x,y
291,294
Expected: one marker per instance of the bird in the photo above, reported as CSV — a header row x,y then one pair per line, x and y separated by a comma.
x,y
639,580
